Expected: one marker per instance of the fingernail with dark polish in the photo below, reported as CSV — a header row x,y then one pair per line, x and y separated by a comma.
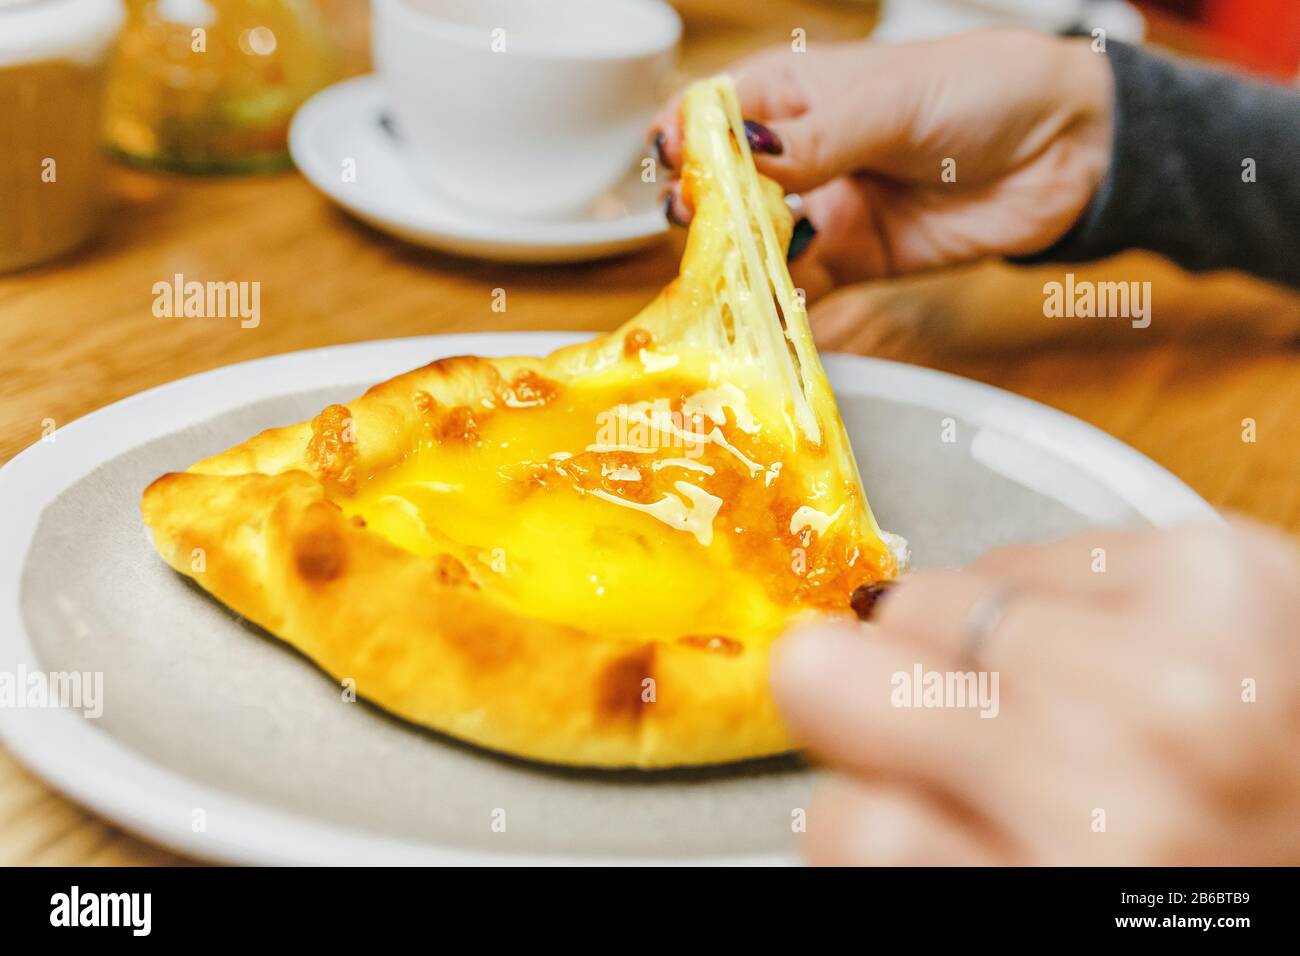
x,y
762,140
670,211
660,139
799,239
865,598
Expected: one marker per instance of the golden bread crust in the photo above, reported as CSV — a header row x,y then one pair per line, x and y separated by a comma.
x,y
438,651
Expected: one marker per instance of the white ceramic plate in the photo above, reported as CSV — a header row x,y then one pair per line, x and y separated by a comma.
x,y
347,123
204,712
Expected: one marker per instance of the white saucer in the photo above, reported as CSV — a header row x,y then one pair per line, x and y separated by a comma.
x,y
347,121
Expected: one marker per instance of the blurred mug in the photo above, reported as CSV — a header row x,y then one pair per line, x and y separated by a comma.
x,y
53,57
527,107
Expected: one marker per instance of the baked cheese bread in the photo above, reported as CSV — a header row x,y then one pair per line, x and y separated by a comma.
x,y
582,558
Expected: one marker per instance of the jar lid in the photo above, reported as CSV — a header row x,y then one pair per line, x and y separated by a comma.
x,y
34,30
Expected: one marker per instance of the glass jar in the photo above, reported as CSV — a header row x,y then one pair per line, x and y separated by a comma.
x,y
52,62
211,85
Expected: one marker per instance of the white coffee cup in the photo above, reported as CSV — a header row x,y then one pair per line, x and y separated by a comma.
x,y
524,107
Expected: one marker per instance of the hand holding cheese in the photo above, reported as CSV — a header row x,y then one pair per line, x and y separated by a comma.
x,y
926,154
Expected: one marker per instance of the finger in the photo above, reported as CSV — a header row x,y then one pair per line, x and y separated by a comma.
x,y
935,610
1270,550
1181,698
811,145
866,228
1025,631
768,86
839,694
676,209
847,245
1152,564
1043,772
1091,562
765,89
826,142
665,134
858,824
804,155
875,227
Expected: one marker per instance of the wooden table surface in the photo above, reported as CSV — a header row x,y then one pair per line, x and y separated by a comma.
x,y
79,334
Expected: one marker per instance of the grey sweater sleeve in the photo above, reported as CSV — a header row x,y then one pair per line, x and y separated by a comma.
x,y
1180,183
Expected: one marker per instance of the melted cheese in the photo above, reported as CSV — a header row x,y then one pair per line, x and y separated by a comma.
x,y
636,543
690,509
806,516
693,480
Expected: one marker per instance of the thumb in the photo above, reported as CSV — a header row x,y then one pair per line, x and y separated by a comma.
x,y
815,669
851,238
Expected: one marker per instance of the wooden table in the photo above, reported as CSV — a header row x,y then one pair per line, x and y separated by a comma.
x,y
79,334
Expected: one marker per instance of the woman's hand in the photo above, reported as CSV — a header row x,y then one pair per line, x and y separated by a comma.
x,y
1146,713
923,155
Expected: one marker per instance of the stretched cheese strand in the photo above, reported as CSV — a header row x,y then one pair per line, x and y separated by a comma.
x,y
758,317
757,281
